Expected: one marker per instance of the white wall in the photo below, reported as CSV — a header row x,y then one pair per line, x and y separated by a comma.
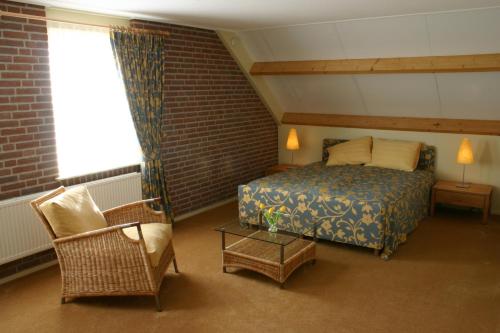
x,y
454,95
486,170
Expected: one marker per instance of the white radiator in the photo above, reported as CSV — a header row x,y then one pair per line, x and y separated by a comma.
x,y
22,234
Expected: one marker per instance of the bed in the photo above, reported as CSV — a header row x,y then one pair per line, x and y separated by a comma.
x,y
366,206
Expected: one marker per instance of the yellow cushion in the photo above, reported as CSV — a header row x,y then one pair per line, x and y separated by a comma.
x,y
395,154
156,236
73,212
357,151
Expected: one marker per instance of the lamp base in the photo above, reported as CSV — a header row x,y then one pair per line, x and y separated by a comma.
x,y
462,185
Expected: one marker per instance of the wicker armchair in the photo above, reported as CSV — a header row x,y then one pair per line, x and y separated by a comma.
x,y
105,262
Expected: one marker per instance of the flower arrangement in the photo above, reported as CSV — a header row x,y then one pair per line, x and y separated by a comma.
x,y
272,216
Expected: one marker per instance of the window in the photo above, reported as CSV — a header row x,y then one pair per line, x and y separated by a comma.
x,y
94,128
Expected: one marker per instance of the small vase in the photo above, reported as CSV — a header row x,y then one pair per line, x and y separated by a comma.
x,y
273,228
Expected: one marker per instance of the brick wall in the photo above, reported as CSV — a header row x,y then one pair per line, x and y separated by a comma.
x,y
217,134
27,137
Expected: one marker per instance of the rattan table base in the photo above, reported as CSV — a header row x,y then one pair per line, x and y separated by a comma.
x,y
265,258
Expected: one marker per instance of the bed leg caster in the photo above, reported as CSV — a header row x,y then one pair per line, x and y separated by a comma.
x,y
384,256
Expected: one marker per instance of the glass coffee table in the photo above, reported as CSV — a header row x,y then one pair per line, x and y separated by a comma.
x,y
274,254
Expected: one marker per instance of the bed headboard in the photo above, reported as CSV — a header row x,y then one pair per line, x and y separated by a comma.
x,y
426,160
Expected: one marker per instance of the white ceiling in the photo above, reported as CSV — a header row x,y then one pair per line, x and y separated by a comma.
x,y
452,95
283,30
256,14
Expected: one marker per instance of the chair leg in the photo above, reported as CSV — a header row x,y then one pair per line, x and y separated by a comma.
x,y
158,303
63,300
175,266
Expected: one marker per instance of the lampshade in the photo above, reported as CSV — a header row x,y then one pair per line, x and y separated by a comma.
x,y
293,141
465,154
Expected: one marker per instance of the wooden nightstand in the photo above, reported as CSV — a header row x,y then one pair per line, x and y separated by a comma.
x,y
477,196
280,168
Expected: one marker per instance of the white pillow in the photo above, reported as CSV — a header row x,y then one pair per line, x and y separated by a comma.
x,y
73,212
357,151
395,154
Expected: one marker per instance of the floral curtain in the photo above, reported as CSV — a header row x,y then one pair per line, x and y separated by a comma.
x,y
139,56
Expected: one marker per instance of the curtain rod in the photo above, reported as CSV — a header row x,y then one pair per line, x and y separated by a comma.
x,y
43,18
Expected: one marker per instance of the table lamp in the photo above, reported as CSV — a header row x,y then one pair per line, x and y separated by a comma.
x,y
292,143
464,156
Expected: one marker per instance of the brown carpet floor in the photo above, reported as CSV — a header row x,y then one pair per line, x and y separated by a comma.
x,y
446,278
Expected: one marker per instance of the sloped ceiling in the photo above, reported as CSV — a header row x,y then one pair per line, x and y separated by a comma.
x,y
251,14
450,95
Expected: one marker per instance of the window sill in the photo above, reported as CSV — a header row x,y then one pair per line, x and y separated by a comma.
x,y
75,180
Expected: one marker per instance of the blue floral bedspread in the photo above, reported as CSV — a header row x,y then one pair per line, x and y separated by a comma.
x,y
366,206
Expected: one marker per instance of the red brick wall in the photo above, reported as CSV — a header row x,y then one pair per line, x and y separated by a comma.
x,y
217,134
27,138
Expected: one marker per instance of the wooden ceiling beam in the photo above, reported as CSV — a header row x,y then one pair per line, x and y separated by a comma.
x,y
439,125
432,64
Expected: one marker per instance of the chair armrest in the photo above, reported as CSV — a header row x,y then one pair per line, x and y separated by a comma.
x,y
148,201
135,211
101,231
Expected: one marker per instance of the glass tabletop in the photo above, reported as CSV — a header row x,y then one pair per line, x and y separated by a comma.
x,y
259,232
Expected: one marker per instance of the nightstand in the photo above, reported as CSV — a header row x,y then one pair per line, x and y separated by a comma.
x,y
476,196
280,168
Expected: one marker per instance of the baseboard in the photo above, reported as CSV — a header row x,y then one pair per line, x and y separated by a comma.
x,y
28,271
204,209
